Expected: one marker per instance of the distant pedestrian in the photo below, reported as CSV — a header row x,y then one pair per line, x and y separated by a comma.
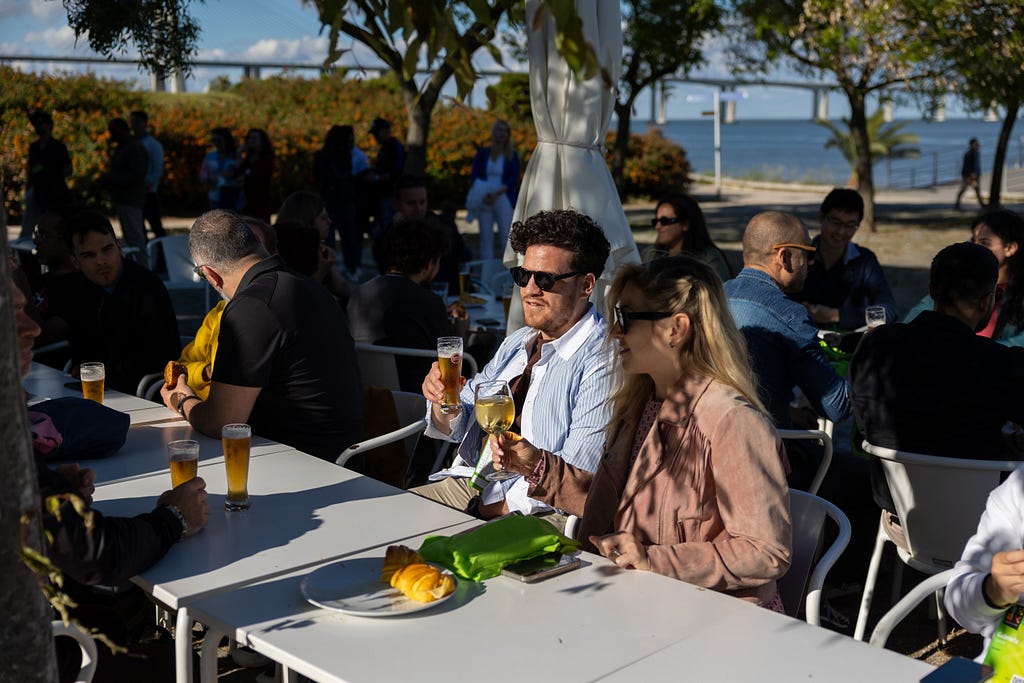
x,y
126,183
335,168
970,172
380,182
256,170
139,121
492,196
223,191
49,164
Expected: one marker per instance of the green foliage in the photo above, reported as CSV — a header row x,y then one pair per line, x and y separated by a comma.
x,y
887,139
509,98
296,114
163,31
655,167
219,84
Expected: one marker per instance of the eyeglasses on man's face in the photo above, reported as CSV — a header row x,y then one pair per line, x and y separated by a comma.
x,y
200,273
838,224
545,281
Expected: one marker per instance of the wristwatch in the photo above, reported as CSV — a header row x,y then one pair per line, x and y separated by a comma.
x,y
182,402
181,518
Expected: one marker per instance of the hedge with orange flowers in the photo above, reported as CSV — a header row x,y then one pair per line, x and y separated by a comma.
x,y
296,114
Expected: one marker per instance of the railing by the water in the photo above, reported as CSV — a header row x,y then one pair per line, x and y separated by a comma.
x,y
942,167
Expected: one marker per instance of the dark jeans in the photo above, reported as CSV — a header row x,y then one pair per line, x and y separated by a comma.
x,y
151,214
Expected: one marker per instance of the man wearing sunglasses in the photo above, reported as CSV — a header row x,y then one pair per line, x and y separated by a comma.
x,y
781,337
557,367
844,278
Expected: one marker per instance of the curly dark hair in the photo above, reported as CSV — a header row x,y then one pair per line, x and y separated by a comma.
x,y
410,245
566,229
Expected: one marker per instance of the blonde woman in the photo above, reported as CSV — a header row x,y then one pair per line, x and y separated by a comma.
x,y
492,196
692,484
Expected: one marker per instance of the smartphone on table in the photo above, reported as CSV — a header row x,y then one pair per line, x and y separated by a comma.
x,y
542,567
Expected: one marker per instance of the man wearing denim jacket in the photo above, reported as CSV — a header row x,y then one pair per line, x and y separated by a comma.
x,y
781,337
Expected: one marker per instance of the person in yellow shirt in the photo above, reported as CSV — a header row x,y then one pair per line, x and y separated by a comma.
x,y
198,356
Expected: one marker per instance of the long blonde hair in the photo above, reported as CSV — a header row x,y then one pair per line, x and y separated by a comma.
x,y
508,151
714,348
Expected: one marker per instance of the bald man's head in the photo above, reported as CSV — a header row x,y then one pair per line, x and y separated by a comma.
x,y
768,229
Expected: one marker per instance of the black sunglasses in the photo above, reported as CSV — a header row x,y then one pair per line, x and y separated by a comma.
x,y
665,220
200,273
545,281
624,318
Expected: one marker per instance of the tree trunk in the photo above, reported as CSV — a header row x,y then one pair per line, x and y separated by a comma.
x,y
862,168
419,107
623,112
25,636
995,190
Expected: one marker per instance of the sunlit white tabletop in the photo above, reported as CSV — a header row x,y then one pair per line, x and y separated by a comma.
x,y
44,382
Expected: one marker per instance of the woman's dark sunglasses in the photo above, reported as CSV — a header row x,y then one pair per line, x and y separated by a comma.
x,y
624,318
664,220
545,281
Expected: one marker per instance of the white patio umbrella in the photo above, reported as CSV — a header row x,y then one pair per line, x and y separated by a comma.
x,y
567,169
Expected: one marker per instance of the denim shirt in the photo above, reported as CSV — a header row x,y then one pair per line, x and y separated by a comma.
x,y
784,351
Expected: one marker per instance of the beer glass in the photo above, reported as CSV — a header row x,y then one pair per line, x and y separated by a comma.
x,y
184,459
874,316
92,376
495,412
506,298
236,439
465,283
449,360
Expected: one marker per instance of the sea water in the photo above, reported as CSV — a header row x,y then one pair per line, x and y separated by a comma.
x,y
794,150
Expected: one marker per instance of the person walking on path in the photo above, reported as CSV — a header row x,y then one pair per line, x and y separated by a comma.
x,y
48,168
126,184
970,172
139,122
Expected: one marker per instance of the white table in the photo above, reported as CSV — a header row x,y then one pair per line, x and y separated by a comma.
x,y
45,382
305,511
144,452
764,647
595,623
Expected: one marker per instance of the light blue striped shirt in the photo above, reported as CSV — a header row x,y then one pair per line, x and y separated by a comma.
x,y
566,408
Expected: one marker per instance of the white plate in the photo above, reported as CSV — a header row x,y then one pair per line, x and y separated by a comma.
x,y
354,587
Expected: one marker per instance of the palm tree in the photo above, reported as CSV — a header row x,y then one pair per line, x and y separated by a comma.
x,y
887,141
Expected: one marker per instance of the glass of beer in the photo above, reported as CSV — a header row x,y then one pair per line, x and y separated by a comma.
x,y
184,459
449,360
92,376
464,280
495,412
874,316
236,439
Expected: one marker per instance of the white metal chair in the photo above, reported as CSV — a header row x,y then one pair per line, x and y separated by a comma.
x,y
938,502
377,363
412,418
891,619
822,437
85,642
802,584
178,259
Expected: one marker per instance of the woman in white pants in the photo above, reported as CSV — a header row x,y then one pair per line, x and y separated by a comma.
x,y
492,196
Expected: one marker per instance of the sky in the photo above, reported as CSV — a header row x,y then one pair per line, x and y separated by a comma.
x,y
288,31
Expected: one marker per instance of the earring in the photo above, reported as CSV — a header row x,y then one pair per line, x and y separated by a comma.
x,y
671,345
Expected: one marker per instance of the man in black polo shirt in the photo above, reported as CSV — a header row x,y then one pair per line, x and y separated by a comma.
x,y
286,362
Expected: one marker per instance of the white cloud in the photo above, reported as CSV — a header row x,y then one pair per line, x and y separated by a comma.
x,y
54,39
310,49
47,11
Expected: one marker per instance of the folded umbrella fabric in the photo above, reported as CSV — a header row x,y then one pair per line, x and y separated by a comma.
x,y
481,553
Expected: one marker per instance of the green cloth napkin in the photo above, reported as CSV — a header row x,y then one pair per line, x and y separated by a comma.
x,y
481,553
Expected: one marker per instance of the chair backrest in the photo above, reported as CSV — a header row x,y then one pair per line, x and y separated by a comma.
x,y
802,583
411,410
938,501
822,437
150,385
377,363
906,605
85,643
177,258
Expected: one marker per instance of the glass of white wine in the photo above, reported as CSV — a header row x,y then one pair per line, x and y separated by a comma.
x,y
495,412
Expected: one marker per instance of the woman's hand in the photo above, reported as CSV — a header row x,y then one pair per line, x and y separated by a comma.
x,y
624,549
514,453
